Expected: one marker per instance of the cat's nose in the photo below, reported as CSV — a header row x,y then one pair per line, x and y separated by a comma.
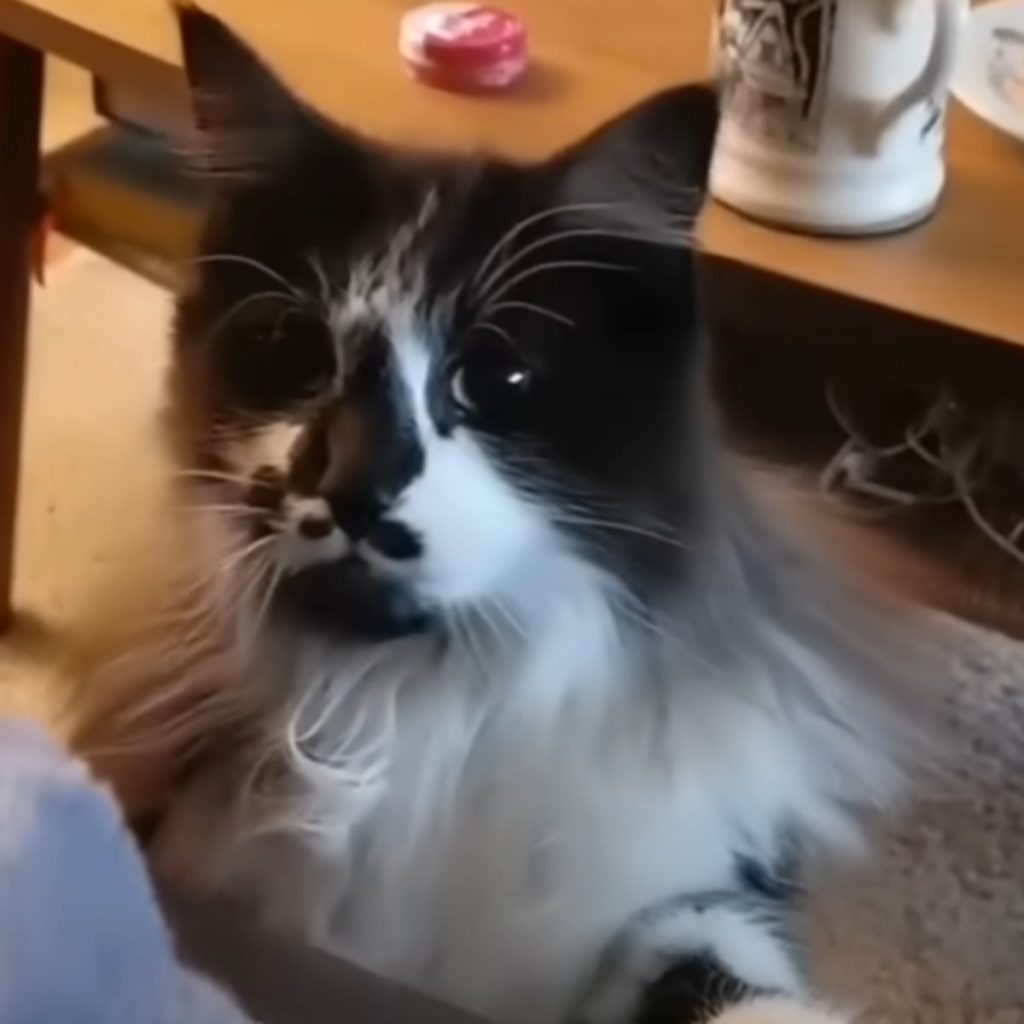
x,y
364,518
394,540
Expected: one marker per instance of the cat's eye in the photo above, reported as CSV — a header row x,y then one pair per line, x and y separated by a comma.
x,y
280,357
300,346
490,381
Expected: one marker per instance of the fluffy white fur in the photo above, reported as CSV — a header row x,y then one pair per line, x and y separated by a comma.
x,y
470,815
464,815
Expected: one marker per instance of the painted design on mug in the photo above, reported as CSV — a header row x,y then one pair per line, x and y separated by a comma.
x,y
774,57
935,110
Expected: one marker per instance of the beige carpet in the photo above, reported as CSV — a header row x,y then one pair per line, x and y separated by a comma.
x,y
932,932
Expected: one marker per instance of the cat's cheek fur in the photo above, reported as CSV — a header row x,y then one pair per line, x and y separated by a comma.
x,y
779,1010
478,533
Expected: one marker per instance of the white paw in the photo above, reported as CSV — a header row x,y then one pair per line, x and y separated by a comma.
x,y
734,934
780,1010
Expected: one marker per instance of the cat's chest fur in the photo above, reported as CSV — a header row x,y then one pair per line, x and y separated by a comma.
x,y
503,898
482,833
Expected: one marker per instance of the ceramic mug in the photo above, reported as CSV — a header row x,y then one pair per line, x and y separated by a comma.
x,y
833,111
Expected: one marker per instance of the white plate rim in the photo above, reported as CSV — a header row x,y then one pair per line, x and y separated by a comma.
x,y
970,84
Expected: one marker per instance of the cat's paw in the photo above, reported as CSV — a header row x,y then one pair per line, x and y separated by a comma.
x,y
686,960
780,1010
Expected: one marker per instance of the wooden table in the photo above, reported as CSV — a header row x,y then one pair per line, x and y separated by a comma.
x,y
964,271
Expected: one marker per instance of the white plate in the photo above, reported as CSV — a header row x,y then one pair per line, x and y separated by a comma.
x,y
989,78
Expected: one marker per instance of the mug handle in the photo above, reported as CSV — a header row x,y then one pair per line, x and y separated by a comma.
x,y
937,71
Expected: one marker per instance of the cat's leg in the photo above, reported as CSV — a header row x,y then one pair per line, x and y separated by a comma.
x,y
722,958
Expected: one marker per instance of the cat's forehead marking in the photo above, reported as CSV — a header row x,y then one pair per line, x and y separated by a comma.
x,y
385,287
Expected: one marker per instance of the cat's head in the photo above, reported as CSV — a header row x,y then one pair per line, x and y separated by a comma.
x,y
414,381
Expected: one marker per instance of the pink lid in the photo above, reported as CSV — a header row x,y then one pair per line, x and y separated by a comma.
x,y
464,43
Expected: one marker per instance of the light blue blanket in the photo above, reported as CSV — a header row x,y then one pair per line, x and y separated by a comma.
x,y
82,940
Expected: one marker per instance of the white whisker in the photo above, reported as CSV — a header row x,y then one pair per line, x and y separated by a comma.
x,y
620,527
532,307
242,511
231,561
502,610
261,565
248,261
520,226
546,240
462,632
225,318
500,331
213,475
323,282
644,621
268,597
525,275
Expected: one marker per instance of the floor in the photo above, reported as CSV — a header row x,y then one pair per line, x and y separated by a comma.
x,y
91,472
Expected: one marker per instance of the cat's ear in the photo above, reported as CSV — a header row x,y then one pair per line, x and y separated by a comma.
x,y
247,122
646,170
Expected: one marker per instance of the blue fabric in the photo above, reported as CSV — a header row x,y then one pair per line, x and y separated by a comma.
x,y
81,936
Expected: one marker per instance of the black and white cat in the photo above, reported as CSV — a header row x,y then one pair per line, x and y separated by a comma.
x,y
487,673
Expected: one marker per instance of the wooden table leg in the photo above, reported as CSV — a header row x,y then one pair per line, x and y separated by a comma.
x,y
21,87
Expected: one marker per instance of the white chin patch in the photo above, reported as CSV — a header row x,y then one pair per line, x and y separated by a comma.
x,y
297,552
311,537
